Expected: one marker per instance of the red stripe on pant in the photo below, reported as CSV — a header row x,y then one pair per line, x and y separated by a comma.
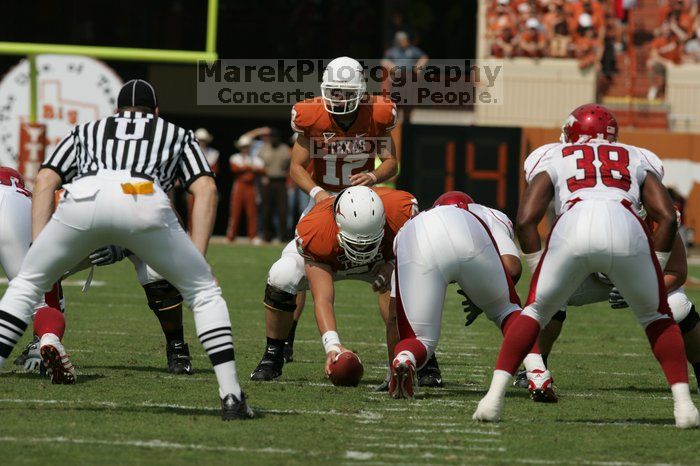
x,y
663,294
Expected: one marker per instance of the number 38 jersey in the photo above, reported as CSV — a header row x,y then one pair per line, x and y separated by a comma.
x,y
337,153
595,170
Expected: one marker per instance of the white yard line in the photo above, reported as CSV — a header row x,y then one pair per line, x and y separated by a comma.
x,y
162,444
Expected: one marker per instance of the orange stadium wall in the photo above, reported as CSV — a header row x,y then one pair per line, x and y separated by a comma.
x,y
680,153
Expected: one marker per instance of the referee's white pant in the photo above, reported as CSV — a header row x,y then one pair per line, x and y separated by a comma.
x,y
93,212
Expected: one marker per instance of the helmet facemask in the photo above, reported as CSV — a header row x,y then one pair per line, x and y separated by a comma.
x,y
341,98
360,250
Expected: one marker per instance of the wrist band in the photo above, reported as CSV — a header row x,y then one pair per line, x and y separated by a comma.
x,y
331,341
663,258
315,190
533,259
373,176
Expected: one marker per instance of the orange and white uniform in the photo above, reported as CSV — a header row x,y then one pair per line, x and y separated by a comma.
x,y
338,153
317,241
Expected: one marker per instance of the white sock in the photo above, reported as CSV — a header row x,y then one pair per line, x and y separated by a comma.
x,y
228,379
499,384
534,361
681,393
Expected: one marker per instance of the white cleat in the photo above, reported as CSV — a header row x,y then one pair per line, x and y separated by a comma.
x,y
687,416
541,386
489,409
56,360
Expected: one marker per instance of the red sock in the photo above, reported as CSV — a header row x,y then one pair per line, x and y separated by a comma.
x,y
508,321
49,320
53,297
415,347
667,345
521,337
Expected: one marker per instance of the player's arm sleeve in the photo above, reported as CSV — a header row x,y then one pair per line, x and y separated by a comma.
x,y
64,159
503,233
297,126
193,163
540,161
651,163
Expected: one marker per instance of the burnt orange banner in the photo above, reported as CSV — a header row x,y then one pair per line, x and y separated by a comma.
x,y
680,153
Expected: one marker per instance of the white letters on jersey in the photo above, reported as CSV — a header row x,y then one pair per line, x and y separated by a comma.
x,y
594,170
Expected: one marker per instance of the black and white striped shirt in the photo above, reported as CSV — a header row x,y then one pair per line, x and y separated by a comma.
x,y
142,143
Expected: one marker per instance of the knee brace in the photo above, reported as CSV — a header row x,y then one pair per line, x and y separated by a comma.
x,y
559,316
162,295
279,300
690,321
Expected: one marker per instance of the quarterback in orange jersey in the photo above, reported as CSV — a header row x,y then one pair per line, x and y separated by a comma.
x,y
341,133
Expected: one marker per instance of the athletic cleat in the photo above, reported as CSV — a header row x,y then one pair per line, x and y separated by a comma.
x,y
30,357
56,360
541,386
384,386
179,360
288,353
403,378
234,409
269,367
520,380
429,375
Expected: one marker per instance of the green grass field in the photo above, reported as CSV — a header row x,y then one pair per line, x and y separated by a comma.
x,y
614,409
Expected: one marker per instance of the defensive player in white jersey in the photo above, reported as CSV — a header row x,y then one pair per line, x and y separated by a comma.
x,y
597,288
455,241
597,185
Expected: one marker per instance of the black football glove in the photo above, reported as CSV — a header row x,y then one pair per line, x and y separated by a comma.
x,y
107,255
470,308
616,300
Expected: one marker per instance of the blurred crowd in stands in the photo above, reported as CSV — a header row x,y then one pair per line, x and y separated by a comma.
x,y
594,32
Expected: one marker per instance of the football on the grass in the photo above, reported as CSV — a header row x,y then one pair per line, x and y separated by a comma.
x,y
347,370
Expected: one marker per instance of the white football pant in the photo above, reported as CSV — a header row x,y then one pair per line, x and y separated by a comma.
x,y
598,236
440,246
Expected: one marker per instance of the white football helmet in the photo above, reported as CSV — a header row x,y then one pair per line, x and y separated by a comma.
x,y
343,86
359,214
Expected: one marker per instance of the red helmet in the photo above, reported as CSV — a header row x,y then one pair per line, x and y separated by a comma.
x,y
8,174
458,198
591,120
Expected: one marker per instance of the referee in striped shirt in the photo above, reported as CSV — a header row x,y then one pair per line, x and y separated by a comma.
x,y
115,173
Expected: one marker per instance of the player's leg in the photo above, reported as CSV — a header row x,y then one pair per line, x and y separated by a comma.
x,y
171,253
251,212
640,281
419,288
289,342
166,303
686,316
55,250
557,276
285,278
639,278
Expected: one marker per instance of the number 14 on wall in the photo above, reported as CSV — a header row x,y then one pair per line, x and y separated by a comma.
x,y
498,175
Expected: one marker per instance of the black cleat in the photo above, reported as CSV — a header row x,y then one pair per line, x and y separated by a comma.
x,y
269,367
179,360
520,380
288,353
382,387
233,409
429,375
31,351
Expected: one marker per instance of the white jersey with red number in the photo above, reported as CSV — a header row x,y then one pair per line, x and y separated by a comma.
x,y
595,170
